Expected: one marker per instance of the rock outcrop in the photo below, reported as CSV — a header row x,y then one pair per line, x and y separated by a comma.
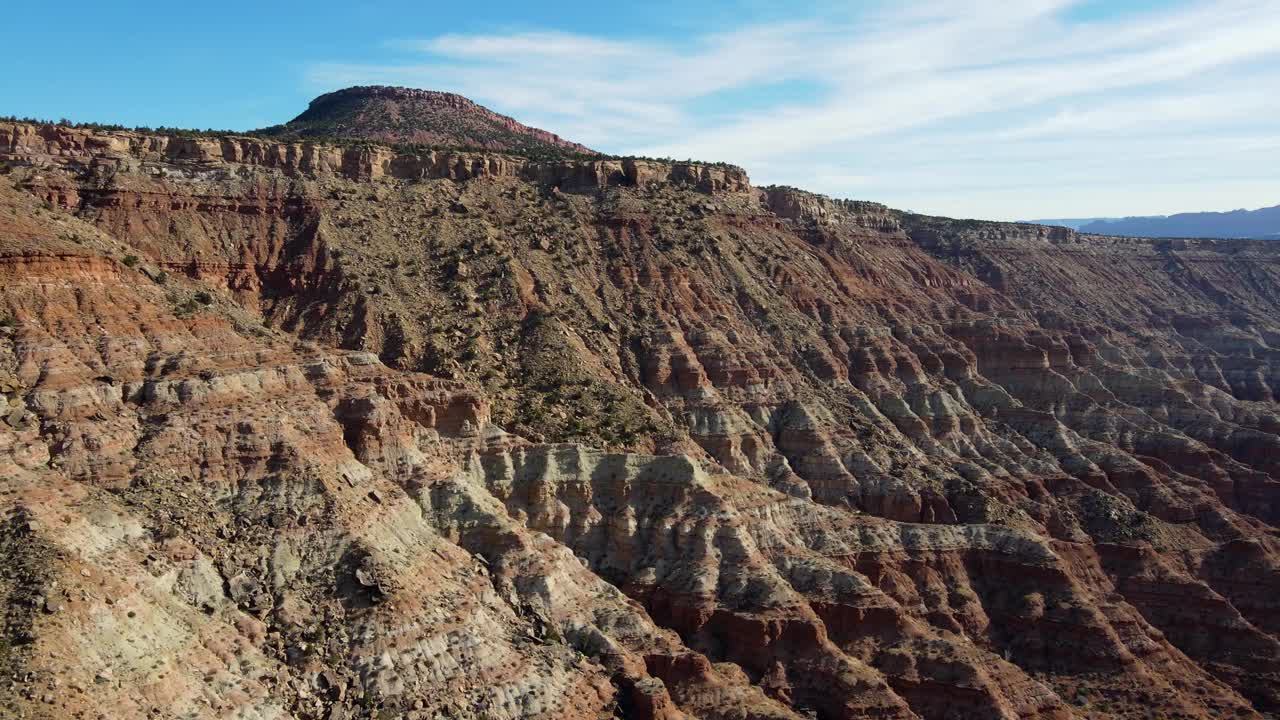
x,y
298,431
223,158
385,114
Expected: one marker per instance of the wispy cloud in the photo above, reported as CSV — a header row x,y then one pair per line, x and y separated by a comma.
x,y
972,95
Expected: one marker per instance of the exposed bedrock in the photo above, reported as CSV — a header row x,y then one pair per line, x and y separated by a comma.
x,y
290,430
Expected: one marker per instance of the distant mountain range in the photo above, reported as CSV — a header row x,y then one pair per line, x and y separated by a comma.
x,y
1073,223
1261,223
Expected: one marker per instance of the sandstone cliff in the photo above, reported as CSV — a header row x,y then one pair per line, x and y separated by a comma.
x,y
292,430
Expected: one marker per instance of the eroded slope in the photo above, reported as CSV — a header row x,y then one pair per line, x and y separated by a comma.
x,y
938,470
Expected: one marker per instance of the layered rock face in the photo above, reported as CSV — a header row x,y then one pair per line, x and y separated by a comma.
x,y
291,437
221,158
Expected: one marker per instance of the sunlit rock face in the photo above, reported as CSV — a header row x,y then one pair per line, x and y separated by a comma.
x,y
292,430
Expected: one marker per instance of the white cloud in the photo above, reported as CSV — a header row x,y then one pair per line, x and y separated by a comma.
x,y
973,96
549,45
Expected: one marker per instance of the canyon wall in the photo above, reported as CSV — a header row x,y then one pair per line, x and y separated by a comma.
x,y
294,430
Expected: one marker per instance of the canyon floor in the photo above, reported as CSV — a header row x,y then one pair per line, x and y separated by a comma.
x,y
311,431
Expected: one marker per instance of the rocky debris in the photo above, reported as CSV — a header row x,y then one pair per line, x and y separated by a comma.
x,y
17,417
13,411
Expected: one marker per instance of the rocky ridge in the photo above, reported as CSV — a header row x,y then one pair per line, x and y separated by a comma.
x,y
857,463
385,114
126,151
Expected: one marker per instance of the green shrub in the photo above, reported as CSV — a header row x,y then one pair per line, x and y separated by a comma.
x,y
131,261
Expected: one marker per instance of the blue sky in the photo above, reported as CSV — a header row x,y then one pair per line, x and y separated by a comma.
x,y
1036,108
